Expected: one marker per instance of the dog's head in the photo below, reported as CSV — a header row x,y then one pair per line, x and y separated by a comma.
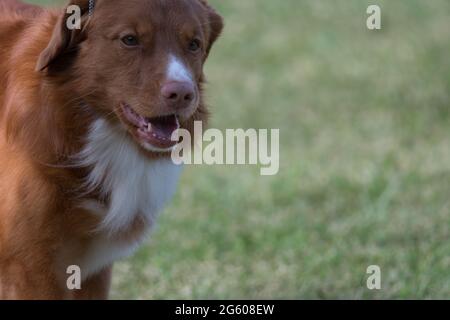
x,y
139,63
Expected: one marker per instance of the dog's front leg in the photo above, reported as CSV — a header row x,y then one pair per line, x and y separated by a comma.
x,y
28,281
96,287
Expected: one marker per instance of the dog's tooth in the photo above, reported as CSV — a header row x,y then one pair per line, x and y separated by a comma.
x,y
149,127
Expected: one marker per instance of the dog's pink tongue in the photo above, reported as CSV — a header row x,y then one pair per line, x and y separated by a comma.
x,y
164,127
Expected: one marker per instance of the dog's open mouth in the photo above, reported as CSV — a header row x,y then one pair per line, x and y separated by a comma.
x,y
156,132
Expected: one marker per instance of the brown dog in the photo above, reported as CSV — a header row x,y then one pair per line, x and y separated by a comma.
x,y
86,120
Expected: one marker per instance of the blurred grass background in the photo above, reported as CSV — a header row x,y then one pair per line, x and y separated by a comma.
x,y
365,160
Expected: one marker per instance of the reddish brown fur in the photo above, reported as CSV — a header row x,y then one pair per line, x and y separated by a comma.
x,y
54,84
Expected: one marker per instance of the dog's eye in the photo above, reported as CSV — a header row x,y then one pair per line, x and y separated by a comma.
x,y
130,41
195,45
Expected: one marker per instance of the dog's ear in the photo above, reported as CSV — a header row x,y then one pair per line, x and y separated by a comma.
x,y
67,33
216,24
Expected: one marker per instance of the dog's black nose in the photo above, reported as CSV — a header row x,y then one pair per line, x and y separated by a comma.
x,y
178,95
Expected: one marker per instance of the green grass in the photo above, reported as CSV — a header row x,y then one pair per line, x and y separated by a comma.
x,y
365,160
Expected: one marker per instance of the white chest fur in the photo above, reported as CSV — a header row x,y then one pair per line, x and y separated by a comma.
x,y
135,184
